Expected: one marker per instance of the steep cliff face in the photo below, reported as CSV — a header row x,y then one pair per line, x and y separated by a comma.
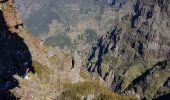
x,y
15,57
21,51
134,56
57,75
126,43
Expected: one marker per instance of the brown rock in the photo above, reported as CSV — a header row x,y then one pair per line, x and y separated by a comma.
x,y
11,2
12,17
19,22
11,23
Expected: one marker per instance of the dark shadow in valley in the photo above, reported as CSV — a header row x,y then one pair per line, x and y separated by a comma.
x,y
99,61
100,49
141,79
15,59
164,97
138,11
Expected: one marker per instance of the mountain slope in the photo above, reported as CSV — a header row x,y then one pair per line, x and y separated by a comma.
x,y
54,75
125,43
135,54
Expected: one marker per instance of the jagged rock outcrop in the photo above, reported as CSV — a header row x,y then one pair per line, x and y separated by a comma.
x,y
136,52
52,66
15,57
131,57
12,18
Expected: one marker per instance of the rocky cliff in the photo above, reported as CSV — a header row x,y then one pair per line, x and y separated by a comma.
x,y
53,73
123,44
134,56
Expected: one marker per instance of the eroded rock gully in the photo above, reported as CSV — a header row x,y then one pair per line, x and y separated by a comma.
x,y
136,57
131,58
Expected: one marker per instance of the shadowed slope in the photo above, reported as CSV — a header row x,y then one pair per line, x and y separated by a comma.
x,y
15,58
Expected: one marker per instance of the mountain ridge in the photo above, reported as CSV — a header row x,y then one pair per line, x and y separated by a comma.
x,y
54,77
129,53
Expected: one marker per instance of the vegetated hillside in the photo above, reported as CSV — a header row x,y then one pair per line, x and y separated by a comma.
x,y
134,57
67,12
126,43
54,77
69,23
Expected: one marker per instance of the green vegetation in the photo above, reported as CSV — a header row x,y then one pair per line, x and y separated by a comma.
x,y
155,81
61,40
84,74
111,60
94,89
41,71
53,59
91,35
135,69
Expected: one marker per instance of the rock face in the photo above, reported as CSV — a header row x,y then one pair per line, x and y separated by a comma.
x,y
136,51
21,51
15,57
12,17
129,43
